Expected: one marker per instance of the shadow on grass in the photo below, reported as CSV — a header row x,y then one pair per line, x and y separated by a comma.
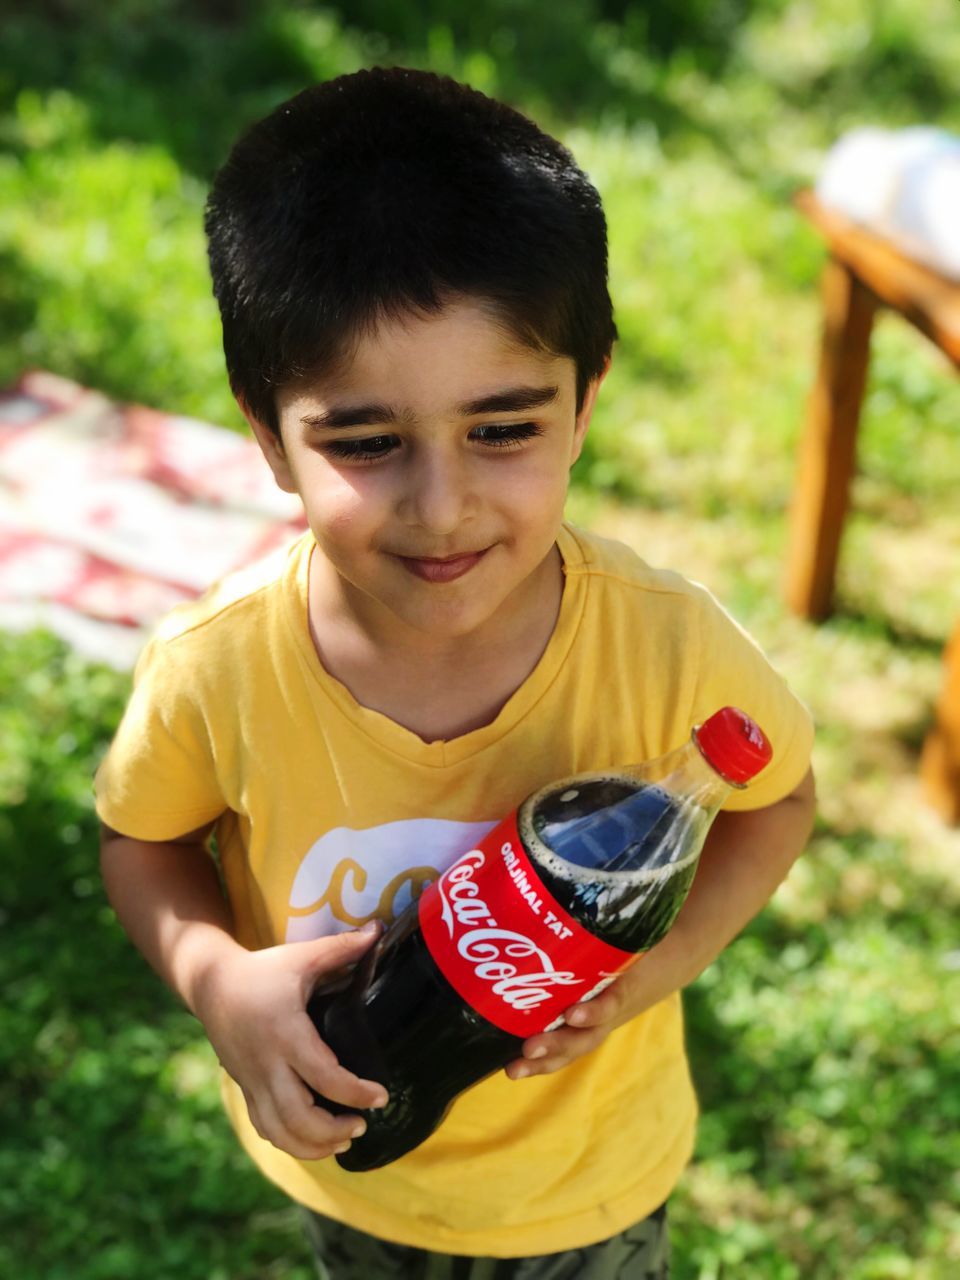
x,y
113,1163
869,623
190,77
852,1089
19,302
188,85
899,72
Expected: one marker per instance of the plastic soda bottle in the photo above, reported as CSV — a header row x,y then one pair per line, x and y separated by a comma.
x,y
545,912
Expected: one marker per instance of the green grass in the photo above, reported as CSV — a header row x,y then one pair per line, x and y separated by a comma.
x,y
823,1041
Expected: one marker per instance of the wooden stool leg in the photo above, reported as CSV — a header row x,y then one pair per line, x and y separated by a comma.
x,y
828,445
940,761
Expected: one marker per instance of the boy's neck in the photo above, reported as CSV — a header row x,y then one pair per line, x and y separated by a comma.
x,y
438,687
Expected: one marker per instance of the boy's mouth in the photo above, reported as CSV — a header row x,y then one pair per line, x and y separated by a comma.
x,y
442,569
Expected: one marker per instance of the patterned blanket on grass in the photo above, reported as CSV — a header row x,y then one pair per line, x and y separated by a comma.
x,y
110,514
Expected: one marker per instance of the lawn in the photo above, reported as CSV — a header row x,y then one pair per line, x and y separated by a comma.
x,y
824,1040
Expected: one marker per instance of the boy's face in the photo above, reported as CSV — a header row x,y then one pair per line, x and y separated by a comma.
x,y
433,467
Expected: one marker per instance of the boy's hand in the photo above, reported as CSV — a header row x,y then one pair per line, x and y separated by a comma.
x,y
588,1025
253,1007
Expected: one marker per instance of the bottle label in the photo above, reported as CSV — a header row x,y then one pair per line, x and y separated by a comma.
x,y
505,945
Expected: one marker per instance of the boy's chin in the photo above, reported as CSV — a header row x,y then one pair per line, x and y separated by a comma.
x,y
439,624
453,619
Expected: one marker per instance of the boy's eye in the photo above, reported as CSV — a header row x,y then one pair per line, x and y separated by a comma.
x,y
360,450
503,434
497,435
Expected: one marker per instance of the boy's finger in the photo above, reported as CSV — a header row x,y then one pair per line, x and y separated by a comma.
x,y
522,1068
562,1048
297,1126
551,1042
594,1013
349,1090
340,949
318,1067
542,1046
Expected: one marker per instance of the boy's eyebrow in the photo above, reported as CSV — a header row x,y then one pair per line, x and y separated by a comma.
x,y
510,400
357,415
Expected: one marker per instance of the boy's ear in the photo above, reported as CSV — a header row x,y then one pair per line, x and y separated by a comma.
x,y
271,446
586,410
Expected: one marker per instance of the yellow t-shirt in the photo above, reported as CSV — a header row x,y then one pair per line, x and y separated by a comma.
x,y
330,813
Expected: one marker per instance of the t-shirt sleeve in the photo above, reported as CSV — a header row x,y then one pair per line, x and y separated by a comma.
x,y
734,671
158,779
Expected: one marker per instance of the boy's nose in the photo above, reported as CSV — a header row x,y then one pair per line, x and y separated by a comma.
x,y
438,495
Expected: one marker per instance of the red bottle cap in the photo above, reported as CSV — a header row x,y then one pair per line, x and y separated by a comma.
x,y
734,744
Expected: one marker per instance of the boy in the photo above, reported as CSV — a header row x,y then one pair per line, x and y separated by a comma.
x,y
412,282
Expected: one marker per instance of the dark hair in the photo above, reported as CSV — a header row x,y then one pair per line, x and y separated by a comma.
x,y
393,190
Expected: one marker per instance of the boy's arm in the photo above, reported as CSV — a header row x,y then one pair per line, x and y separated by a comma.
x,y
252,1004
746,856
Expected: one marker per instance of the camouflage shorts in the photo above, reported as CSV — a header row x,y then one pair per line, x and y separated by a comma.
x,y
642,1252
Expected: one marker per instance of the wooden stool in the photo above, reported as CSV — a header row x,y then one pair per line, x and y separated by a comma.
x,y
862,273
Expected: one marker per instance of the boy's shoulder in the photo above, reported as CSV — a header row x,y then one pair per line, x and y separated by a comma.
x,y
626,597
237,602
608,561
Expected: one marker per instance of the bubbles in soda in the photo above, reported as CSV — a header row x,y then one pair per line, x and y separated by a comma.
x,y
616,853
609,824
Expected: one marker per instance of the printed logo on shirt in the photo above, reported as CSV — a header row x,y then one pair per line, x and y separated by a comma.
x,y
350,876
